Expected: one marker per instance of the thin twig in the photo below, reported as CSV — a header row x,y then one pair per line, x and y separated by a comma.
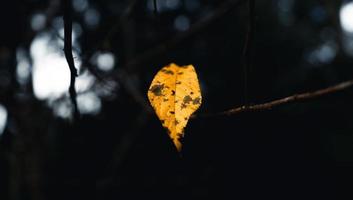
x,y
69,56
247,52
289,99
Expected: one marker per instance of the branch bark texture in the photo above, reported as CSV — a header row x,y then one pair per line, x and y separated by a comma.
x,y
290,99
68,55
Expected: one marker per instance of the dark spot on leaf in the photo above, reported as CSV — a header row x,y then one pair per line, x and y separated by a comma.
x,y
172,112
183,105
191,93
157,89
165,100
167,71
185,118
180,137
173,92
197,100
187,99
162,121
180,73
176,101
178,82
176,122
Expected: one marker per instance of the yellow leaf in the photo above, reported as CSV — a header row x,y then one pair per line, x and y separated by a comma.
x,y
175,94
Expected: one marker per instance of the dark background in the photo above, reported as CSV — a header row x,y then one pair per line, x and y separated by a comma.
x,y
295,151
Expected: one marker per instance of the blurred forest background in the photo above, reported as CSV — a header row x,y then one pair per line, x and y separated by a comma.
x,y
118,148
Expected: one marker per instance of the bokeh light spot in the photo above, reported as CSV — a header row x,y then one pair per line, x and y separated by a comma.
x,y
89,103
182,23
38,21
105,61
3,118
346,17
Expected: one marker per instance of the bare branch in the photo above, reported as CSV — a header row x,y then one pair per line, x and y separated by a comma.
x,y
289,99
69,56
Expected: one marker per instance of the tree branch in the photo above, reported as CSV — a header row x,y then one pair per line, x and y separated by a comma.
x,y
289,99
68,55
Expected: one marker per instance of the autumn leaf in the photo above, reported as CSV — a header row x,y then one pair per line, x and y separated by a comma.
x,y
175,94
